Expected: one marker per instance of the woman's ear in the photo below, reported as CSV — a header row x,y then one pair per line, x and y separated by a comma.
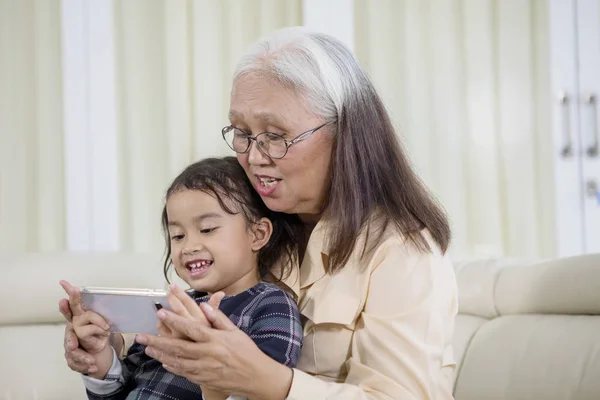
x,y
261,233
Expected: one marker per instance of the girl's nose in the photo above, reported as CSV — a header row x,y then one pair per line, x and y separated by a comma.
x,y
192,246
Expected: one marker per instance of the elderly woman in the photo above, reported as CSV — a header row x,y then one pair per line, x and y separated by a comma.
x,y
374,286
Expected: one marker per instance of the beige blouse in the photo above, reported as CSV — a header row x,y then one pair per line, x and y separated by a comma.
x,y
381,328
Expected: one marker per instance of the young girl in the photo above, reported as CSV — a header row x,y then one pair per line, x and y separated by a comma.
x,y
220,237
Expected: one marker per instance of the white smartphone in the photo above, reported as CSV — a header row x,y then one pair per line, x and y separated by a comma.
x,y
126,310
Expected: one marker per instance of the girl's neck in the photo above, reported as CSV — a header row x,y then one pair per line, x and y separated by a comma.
x,y
241,285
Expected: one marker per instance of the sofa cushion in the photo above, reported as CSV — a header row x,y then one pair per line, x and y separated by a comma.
x,y
564,286
476,284
532,357
465,328
33,365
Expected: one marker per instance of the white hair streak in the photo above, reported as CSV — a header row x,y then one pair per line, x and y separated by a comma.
x,y
318,65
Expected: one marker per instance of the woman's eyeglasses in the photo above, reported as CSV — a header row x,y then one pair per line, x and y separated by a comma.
x,y
272,144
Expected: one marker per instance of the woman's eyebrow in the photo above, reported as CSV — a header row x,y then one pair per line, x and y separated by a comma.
x,y
271,119
234,115
264,116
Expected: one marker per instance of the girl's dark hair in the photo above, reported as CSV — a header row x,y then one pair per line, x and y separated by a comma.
x,y
225,179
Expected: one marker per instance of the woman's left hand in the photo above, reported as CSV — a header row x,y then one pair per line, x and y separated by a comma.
x,y
220,358
186,307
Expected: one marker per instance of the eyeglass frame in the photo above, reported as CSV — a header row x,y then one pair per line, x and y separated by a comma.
x,y
288,143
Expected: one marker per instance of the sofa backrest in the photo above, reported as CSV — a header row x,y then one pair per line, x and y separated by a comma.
x,y
528,330
32,365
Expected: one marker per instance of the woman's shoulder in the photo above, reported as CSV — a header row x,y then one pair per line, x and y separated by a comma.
x,y
382,239
395,262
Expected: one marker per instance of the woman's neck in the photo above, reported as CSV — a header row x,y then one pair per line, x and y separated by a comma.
x,y
308,225
310,219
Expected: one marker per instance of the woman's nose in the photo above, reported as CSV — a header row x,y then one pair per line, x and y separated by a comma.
x,y
257,156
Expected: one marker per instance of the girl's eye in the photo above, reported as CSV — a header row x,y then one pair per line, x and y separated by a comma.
x,y
208,230
176,237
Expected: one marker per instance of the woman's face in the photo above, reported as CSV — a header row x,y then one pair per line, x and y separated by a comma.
x,y
297,183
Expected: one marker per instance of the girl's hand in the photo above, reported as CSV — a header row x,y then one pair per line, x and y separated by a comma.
x,y
77,359
184,306
87,347
91,330
220,358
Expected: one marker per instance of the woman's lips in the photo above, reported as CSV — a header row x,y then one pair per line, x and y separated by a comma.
x,y
266,185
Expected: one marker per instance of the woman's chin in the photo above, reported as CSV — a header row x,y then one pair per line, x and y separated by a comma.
x,y
277,205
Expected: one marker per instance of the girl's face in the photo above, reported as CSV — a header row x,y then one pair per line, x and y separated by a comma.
x,y
211,249
297,183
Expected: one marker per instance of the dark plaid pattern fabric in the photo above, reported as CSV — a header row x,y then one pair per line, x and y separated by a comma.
x,y
265,312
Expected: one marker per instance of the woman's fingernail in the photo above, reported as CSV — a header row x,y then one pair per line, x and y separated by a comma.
x,y
150,352
162,315
173,287
208,308
87,361
141,339
92,370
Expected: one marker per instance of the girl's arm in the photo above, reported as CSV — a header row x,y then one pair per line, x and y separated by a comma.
x,y
112,385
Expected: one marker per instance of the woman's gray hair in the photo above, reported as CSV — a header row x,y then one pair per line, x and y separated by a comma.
x,y
317,65
370,174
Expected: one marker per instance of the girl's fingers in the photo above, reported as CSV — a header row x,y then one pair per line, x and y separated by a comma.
x,y
91,318
190,305
74,298
86,332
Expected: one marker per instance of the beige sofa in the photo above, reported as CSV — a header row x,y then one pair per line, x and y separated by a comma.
x,y
525,330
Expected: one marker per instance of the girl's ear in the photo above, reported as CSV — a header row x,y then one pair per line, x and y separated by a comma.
x,y
261,233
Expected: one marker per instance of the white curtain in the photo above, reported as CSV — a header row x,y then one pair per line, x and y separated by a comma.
x,y
32,205
467,83
174,64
